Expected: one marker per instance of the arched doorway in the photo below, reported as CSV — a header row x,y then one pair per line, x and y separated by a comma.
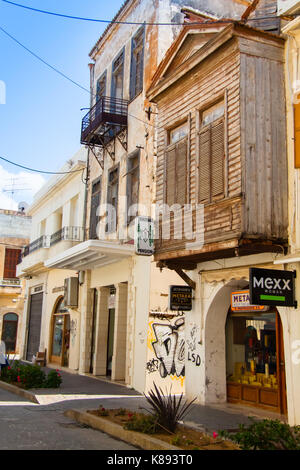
x,y
60,337
254,359
9,332
271,393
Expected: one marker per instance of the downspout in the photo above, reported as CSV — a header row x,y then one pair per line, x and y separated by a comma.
x,y
91,67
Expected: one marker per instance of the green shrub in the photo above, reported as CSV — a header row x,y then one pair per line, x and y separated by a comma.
x,y
265,435
30,376
142,423
53,379
168,410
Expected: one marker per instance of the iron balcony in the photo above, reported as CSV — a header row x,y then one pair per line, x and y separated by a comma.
x,y
104,121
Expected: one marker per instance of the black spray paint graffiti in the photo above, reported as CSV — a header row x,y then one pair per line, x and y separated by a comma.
x,y
152,366
169,348
192,356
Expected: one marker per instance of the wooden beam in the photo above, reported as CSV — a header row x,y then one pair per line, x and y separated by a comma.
x,y
186,278
251,8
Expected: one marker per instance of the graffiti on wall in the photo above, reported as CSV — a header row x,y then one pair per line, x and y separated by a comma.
x,y
166,351
191,342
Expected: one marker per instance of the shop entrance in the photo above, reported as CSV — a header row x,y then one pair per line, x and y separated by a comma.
x,y
255,367
60,343
111,330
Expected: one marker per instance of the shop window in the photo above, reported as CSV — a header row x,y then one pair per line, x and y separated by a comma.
x,y
137,63
297,133
252,358
211,154
176,166
9,332
12,257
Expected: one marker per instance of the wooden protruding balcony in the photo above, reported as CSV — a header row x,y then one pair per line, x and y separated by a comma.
x,y
104,121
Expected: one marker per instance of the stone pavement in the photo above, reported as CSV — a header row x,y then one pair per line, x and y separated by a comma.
x,y
88,392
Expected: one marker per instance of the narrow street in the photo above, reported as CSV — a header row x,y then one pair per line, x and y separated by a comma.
x,y
26,426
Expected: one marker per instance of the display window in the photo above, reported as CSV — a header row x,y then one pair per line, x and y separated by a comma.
x,y
252,358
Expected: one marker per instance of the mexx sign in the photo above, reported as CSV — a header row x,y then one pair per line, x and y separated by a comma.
x,y
272,287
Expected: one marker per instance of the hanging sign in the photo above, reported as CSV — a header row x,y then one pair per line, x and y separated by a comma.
x,y
144,236
272,287
181,298
240,302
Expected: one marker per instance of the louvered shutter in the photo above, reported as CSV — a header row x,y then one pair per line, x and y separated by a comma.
x,y
170,175
204,164
181,172
217,158
10,263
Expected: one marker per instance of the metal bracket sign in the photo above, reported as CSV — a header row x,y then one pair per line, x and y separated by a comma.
x,y
144,236
272,287
181,298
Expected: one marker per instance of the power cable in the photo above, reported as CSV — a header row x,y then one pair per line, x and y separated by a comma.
x,y
61,15
55,69
41,171
43,61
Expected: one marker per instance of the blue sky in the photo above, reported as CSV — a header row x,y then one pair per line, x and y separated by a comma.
x,y
40,120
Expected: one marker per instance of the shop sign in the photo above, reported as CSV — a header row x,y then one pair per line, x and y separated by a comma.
x,y
181,298
144,236
240,302
272,287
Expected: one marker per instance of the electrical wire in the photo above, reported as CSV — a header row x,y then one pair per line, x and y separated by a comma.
x,y
40,171
55,69
43,61
61,15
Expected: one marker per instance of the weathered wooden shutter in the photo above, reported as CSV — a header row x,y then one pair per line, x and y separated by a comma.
x,y
297,134
204,164
10,263
211,161
181,172
170,175
217,158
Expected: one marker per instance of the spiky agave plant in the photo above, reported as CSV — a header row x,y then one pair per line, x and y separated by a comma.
x,y
167,408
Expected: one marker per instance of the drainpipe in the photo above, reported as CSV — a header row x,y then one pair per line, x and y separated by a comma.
x,y
91,67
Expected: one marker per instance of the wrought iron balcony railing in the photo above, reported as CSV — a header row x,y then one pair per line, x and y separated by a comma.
x,y
104,121
10,282
67,233
41,242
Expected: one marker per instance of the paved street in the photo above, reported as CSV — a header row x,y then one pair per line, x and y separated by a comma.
x,y
26,426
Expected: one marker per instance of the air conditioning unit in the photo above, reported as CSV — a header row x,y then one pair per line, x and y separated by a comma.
x,y
71,292
288,7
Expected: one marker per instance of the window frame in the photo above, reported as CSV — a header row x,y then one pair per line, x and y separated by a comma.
x,y
96,181
110,226
135,154
134,91
120,56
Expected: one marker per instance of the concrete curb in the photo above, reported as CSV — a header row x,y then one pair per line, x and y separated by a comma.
x,y
143,441
19,391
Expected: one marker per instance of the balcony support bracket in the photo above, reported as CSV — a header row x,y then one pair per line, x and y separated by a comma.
x,y
179,270
99,156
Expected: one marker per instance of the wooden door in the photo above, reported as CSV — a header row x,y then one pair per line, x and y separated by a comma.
x,y
281,366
